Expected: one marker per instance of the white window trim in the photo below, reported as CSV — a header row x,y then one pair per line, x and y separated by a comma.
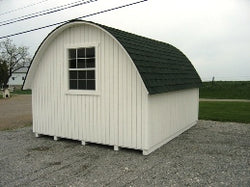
x,y
97,82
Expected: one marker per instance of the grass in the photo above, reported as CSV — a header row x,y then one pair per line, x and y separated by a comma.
x,y
225,90
225,111
18,92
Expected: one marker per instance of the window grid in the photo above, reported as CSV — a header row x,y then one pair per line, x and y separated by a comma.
x,y
82,68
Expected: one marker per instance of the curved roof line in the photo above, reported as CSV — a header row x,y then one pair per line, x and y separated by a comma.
x,y
53,33
162,67
27,82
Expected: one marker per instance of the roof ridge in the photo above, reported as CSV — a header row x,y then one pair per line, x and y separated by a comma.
x,y
173,71
137,35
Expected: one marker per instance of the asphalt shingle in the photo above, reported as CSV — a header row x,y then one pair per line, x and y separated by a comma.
x,y
162,66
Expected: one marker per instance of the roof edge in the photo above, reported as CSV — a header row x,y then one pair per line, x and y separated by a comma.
x,y
27,85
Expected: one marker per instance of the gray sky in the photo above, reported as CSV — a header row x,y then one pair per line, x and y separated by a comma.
x,y
213,34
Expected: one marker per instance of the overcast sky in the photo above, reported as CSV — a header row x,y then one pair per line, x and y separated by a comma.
x,y
213,34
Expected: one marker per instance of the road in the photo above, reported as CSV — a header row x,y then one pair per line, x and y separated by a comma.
x,y
15,112
226,100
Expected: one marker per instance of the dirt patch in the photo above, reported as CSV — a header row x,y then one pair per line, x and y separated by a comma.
x,y
15,112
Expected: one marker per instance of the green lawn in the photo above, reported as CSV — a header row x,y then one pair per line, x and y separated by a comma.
x,y
225,90
225,111
18,92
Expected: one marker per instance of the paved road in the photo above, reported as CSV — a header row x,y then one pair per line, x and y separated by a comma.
x,y
226,100
15,111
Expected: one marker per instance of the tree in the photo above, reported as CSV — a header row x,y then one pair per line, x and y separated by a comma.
x,y
3,73
12,58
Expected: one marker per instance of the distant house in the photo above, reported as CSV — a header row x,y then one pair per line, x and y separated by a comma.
x,y
17,78
94,83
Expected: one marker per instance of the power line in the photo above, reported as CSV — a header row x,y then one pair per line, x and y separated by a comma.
x,y
45,12
21,8
81,17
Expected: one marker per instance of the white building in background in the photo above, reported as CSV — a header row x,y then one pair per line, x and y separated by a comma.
x,y
98,84
17,78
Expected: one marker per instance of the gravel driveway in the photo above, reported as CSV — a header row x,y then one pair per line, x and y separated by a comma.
x,y
210,153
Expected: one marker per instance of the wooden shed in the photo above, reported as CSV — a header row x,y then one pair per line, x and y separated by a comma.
x,y
97,84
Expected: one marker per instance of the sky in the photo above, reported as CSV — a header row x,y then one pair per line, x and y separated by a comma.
x,y
213,34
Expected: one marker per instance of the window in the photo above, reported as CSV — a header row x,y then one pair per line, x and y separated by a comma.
x,y
82,64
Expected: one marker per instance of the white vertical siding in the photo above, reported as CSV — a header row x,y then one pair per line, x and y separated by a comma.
x,y
117,115
170,114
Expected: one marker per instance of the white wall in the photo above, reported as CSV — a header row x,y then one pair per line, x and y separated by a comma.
x,y
116,115
170,114
16,79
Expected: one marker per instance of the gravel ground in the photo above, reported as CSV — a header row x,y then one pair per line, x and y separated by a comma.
x,y
210,153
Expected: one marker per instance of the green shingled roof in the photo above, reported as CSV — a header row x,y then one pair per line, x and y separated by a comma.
x,y
162,67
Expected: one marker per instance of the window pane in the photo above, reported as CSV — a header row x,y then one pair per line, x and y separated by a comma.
x,y
72,74
90,63
91,74
81,53
73,84
72,53
90,84
72,63
82,84
90,52
81,63
82,74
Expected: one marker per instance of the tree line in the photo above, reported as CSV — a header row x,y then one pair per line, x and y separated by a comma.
x,y
12,58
